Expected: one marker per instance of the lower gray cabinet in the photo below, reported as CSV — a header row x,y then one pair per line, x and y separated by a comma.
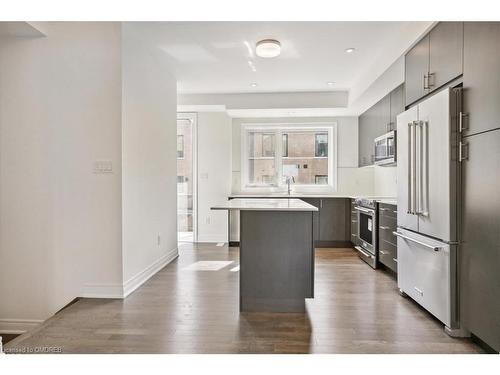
x,y
331,224
316,202
334,222
387,242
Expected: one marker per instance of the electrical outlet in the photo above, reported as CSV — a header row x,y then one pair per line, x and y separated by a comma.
x,y
159,240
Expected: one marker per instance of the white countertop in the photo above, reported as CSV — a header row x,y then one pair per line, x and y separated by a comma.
x,y
265,204
387,200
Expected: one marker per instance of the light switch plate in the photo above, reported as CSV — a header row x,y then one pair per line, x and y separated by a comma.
x,y
103,166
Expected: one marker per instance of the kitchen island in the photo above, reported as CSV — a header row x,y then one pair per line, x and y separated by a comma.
x,y
276,253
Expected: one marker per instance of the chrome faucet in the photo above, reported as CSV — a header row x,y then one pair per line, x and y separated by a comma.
x,y
289,179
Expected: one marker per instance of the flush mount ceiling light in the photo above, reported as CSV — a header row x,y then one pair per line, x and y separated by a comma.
x,y
253,84
350,50
268,48
330,83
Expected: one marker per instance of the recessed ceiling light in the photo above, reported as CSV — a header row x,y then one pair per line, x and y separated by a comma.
x,y
330,83
268,48
253,84
350,50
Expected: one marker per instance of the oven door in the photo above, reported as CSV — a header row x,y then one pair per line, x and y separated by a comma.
x,y
366,228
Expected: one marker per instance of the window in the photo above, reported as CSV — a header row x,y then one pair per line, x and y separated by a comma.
x,y
180,147
321,145
273,152
261,158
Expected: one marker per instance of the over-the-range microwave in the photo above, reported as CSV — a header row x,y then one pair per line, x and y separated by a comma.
x,y
385,149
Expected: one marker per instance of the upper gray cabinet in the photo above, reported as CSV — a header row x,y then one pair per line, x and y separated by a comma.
x,y
376,121
397,105
481,81
446,53
417,71
434,61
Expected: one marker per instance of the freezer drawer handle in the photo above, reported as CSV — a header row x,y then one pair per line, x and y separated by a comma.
x,y
435,248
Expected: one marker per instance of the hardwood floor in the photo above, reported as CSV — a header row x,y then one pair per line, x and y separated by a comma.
x,y
355,310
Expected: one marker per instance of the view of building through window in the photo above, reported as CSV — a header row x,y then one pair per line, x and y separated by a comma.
x,y
304,155
261,158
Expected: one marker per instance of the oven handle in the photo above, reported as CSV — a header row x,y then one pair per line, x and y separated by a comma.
x,y
365,210
364,252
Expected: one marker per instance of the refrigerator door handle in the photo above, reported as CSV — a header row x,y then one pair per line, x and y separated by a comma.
x,y
414,171
409,195
435,248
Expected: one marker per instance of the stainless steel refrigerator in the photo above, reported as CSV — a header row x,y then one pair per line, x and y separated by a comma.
x,y
428,196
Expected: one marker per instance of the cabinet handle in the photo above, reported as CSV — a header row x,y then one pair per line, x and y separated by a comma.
x,y
383,209
461,126
426,82
354,212
395,260
383,227
383,252
354,221
429,84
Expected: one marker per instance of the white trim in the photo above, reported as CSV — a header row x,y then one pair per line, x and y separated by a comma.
x,y
121,291
140,278
18,326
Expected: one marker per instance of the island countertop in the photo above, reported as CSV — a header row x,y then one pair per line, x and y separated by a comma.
x,y
265,204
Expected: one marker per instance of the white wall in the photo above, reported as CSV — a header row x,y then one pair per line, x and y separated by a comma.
x,y
214,174
60,224
385,181
149,162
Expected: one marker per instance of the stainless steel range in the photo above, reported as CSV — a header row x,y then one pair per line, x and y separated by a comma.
x,y
367,230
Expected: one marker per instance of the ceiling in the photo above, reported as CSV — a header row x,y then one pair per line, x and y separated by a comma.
x,y
213,57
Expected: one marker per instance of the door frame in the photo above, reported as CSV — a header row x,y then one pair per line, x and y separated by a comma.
x,y
193,117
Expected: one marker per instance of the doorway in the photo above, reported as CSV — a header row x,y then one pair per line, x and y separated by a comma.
x,y
186,177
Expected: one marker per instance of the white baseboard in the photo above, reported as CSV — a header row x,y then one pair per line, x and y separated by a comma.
x,y
102,291
18,326
140,278
123,290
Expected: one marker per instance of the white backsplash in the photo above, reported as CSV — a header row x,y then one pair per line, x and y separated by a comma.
x,y
385,181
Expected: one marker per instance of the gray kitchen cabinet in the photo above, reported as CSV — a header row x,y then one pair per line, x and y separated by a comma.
x,y
376,121
383,116
354,224
334,222
365,140
434,61
479,261
416,71
397,106
481,80
387,241
316,202
445,53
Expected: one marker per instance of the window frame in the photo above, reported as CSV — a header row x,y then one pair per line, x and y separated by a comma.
x,y
279,128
